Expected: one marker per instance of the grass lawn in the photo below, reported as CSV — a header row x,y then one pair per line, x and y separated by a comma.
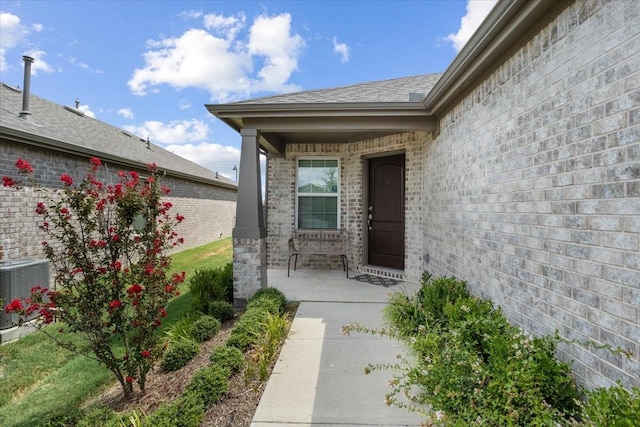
x,y
37,377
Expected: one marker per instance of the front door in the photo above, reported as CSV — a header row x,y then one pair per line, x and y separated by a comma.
x,y
385,214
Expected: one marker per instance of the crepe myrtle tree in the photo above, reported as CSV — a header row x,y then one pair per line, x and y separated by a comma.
x,y
107,244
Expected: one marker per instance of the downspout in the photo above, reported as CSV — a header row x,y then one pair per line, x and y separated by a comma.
x,y
26,90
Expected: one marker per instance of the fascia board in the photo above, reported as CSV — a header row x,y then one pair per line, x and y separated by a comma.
x,y
310,109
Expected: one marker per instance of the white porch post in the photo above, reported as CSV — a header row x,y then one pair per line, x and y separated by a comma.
x,y
249,234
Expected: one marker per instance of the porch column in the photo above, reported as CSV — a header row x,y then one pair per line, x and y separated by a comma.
x,y
249,234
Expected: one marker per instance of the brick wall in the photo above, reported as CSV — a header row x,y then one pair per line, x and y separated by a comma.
x,y
209,211
532,189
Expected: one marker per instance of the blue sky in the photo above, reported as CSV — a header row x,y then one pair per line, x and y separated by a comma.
x,y
150,66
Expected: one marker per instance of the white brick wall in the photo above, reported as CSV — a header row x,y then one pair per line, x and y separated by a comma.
x,y
531,189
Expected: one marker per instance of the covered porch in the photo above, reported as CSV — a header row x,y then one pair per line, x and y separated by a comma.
x,y
346,129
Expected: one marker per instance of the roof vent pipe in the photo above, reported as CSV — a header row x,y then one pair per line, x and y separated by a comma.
x,y
26,90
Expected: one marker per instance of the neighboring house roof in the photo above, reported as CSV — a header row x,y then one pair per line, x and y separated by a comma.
x,y
67,129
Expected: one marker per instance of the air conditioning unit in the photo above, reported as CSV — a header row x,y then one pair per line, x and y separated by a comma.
x,y
17,277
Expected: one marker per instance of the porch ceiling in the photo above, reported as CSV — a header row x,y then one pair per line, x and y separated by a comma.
x,y
323,122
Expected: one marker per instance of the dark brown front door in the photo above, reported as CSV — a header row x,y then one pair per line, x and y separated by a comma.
x,y
385,219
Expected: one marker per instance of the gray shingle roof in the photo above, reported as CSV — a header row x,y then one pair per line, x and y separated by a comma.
x,y
394,90
55,123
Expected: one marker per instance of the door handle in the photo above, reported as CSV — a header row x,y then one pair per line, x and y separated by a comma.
x,y
370,217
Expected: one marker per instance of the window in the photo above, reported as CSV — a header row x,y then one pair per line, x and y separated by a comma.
x,y
318,198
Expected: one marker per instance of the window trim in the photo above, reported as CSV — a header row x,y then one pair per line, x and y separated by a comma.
x,y
337,195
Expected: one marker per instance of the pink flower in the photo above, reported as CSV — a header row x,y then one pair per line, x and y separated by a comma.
x,y
41,209
145,353
179,218
95,162
115,304
135,289
24,166
129,379
151,167
8,181
134,175
67,179
13,306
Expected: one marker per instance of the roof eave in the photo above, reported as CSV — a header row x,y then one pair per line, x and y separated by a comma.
x,y
61,146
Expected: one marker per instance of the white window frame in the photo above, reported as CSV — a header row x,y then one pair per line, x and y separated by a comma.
x,y
337,194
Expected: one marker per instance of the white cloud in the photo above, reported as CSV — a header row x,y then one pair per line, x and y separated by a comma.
x,y
225,26
87,111
177,132
12,34
37,27
39,64
184,104
477,10
270,37
126,113
191,14
75,62
214,59
341,49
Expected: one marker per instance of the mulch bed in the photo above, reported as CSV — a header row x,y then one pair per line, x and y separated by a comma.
x,y
236,409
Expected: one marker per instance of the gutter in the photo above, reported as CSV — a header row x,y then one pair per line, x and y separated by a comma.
x,y
505,29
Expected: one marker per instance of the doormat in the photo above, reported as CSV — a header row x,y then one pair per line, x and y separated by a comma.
x,y
376,280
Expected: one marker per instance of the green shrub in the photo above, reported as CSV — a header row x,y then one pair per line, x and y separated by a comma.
x,y
204,328
64,416
221,310
181,329
178,354
248,328
279,301
212,284
97,416
209,385
185,411
472,366
405,315
274,331
612,407
435,294
228,358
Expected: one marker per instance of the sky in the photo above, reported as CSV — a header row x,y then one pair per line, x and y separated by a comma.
x,y
149,67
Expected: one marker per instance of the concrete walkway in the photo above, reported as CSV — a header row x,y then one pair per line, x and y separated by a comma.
x,y
319,377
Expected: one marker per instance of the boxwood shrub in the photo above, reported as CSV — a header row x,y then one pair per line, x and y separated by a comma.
x,y
185,411
178,354
228,358
221,310
204,328
209,385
